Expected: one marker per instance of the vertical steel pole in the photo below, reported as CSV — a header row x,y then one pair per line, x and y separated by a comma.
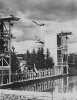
x,y
67,54
67,66
2,70
52,89
9,52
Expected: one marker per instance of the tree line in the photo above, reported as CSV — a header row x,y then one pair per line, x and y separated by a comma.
x,y
39,59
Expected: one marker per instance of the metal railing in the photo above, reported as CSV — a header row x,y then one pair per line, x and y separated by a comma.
x,y
29,75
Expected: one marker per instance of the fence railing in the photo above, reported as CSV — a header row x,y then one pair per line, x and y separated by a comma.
x,y
27,75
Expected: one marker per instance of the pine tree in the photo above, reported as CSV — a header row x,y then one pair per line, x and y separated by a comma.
x,y
49,63
14,62
40,58
33,57
48,53
28,55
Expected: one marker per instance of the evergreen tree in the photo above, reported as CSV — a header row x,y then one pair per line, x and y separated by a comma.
x,y
49,63
14,62
28,57
40,58
48,53
33,57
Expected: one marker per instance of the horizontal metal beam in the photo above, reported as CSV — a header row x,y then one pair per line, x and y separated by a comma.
x,y
8,19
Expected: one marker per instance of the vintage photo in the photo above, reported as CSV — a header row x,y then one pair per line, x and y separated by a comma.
x,y
38,49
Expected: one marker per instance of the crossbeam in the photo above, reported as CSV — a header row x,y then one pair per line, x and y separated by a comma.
x,y
8,19
65,33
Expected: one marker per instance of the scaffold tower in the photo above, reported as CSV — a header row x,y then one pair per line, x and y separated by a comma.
x,y
5,48
62,52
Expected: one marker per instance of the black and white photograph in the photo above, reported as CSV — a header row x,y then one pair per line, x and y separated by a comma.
x,y
38,49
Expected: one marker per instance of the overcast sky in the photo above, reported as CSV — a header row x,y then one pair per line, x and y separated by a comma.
x,y
58,15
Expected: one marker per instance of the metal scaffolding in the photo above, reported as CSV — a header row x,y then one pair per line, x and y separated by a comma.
x,y
5,47
62,52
